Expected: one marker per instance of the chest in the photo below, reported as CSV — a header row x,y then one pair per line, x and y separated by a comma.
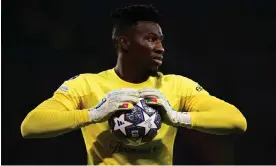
x,y
100,92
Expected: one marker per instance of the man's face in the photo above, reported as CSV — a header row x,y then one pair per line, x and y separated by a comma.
x,y
146,46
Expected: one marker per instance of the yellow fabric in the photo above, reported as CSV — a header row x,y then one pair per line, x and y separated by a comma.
x,y
67,110
208,113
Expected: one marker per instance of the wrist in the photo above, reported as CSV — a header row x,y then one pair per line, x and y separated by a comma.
x,y
183,119
92,115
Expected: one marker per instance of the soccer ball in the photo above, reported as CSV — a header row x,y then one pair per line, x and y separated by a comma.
x,y
137,126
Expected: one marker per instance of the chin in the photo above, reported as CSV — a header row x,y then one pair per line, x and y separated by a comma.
x,y
154,71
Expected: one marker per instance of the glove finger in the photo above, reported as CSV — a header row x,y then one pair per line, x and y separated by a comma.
x,y
128,91
123,91
127,98
124,106
148,94
153,101
147,90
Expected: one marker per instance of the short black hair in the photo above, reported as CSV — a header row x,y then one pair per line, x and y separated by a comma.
x,y
128,16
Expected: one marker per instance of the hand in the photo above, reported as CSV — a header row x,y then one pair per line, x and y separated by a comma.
x,y
154,98
115,100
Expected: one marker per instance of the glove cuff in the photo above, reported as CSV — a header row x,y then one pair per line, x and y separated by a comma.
x,y
92,113
184,119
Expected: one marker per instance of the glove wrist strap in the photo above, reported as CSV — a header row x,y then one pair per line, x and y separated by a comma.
x,y
92,113
183,119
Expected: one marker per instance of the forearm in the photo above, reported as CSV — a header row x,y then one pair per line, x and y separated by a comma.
x,y
212,115
45,122
219,120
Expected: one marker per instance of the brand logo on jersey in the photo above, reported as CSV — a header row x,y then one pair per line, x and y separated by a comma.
x,y
64,88
199,88
120,148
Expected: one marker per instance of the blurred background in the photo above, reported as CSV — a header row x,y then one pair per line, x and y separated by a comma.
x,y
226,46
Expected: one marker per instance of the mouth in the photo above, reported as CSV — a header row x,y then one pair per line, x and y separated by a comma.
x,y
158,60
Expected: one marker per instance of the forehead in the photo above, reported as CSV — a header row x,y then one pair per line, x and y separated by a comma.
x,y
145,27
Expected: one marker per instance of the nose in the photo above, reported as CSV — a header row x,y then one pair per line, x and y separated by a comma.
x,y
159,49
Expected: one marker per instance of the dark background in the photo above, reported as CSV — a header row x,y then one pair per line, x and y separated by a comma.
x,y
226,46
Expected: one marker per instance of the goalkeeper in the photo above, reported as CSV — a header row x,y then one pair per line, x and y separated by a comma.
x,y
87,101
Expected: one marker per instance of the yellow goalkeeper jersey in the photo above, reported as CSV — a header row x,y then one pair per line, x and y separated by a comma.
x,y
87,90
67,109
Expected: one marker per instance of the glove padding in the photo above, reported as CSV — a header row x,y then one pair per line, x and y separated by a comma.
x,y
155,98
115,100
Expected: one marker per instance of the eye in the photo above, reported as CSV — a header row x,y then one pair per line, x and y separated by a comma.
x,y
151,39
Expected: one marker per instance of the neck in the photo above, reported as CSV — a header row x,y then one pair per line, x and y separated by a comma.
x,y
129,72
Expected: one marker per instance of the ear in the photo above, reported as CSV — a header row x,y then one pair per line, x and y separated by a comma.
x,y
124,42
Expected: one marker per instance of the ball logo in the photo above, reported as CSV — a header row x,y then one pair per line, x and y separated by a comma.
x,y
135,133
120,123
148,123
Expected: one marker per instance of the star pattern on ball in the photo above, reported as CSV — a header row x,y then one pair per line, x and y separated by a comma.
x,y
121,123
148,122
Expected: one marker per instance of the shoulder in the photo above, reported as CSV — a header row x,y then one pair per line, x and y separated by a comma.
x,y
178,79
87,78
80,85
75,86
184,84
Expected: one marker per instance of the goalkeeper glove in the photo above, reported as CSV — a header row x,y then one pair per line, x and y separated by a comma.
x,y
154,97
122,99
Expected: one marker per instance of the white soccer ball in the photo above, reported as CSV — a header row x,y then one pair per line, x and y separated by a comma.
x,y
137,126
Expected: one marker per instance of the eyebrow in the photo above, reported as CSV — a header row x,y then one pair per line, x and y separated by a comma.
x,y
161,37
